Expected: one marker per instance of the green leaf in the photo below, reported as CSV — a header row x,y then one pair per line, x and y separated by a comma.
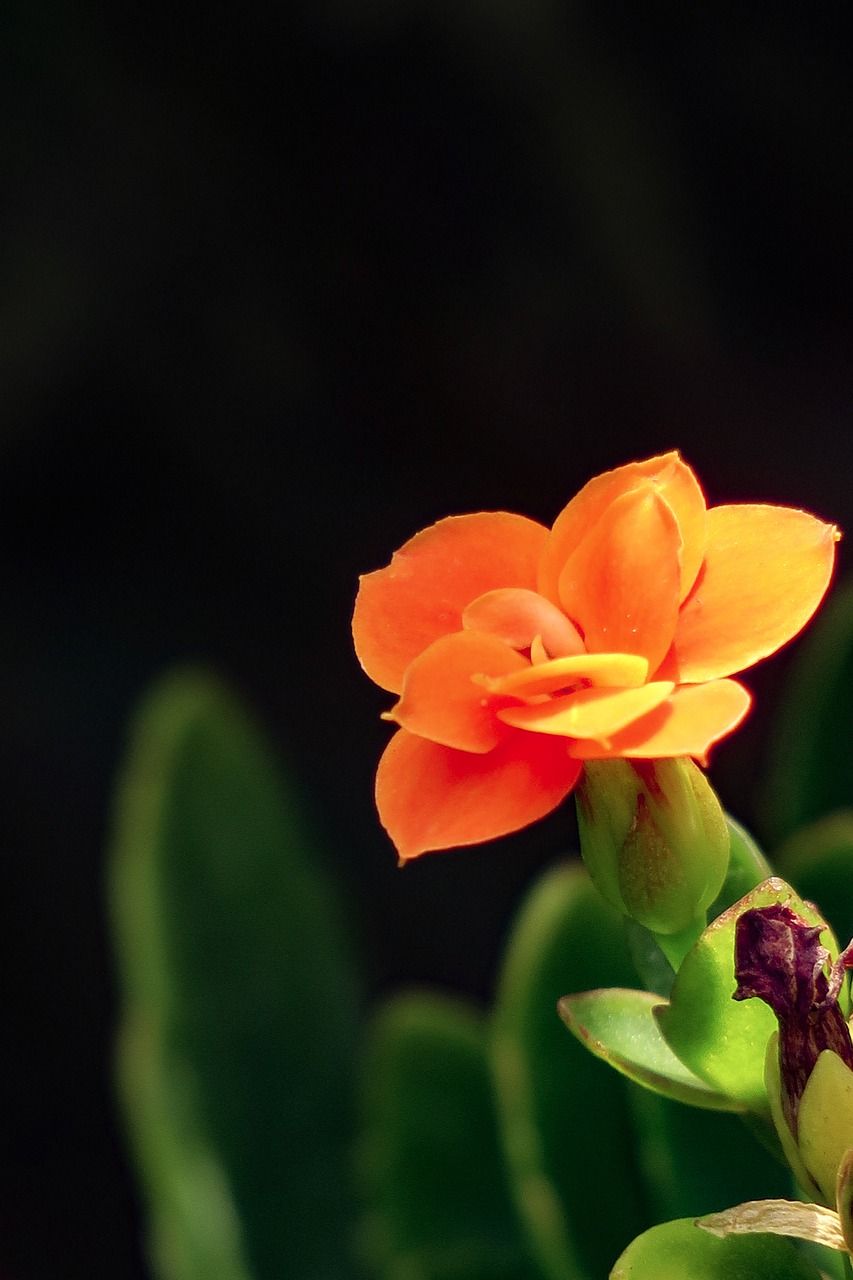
x,y
694,1160
239,1008
437,1204
747,868
721,1040
564,1114
818,859
810,772
618,1026
682,1251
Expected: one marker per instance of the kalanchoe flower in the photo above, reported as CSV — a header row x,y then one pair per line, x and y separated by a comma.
x,y
779,959
519,652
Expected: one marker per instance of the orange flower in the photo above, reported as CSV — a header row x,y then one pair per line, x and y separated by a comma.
x,y
518,652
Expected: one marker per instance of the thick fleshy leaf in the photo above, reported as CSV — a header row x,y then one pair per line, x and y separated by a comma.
x,y
765,572
621,584
588,713
518,616
687,723
681,1250
434,797
440,700
421,594
617,1025
436,1203
810,770
721,1040
564,1114
818,860
239,1009
675,483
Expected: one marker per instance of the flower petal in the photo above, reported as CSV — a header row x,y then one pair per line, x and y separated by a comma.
x,y
434,797
676,484
518,616
420,595
621,584
609,670
765,572
688,723
589,713
440,701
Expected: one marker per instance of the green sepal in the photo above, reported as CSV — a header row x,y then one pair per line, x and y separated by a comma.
x,y
436,1203
681,1249
721,1040
618,1026
825,1121
564,1115
239,1009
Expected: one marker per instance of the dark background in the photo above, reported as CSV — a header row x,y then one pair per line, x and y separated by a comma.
x,y
281,286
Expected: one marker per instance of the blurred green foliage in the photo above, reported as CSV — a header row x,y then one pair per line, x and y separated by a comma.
x,y
810,772
564,1115
818,859
239,1004
437,1201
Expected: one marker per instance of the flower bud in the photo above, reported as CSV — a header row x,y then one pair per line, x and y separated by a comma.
x,y
654,838
779,959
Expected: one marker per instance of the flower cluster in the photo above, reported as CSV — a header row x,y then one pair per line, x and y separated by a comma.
x,y
518,652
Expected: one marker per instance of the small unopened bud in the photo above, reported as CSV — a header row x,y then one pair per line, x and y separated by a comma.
x,y
654,838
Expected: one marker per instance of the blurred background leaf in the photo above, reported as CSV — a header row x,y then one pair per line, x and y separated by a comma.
x,y
236,1055
564,1114
818,860
436,1201
810,771
693,1161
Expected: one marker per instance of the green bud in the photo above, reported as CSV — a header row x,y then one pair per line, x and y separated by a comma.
x,y
654,838
825,1121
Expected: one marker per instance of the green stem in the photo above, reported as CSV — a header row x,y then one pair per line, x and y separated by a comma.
x,y
676,945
